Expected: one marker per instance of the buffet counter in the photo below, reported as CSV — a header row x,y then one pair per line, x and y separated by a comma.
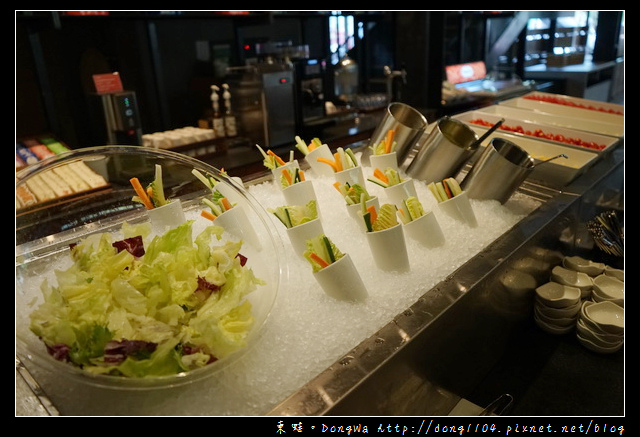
x,y
447,347
439,351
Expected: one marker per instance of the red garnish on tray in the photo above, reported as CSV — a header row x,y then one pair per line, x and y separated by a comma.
x,y
566,102
539,133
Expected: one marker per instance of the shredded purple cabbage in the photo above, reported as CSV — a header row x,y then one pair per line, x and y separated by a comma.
x,y
118,351
133,245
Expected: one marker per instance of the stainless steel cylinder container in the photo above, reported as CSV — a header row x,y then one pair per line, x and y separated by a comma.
x,y
444,152
408,125
499,171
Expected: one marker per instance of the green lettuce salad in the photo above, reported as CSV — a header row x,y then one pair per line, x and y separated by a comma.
x,y
145,307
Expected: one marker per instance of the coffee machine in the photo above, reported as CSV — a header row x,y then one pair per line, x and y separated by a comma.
x,y
264,102
310,90
116,118
265,90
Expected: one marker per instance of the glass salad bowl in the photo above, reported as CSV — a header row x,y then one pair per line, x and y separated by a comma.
x,y
126,278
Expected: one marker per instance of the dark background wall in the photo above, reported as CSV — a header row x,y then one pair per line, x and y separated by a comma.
x,y
171,61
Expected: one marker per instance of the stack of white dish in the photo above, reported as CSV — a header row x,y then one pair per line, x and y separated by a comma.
x,y
608,288
557,307
616,273
600,326
573,278
579,264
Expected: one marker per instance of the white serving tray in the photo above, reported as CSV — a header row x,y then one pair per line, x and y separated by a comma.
x,y
606,141
557,173
577,101
564,110
572,122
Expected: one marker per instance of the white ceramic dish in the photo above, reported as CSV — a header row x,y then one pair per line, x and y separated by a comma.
x,y
558,172
607,315
553,329
557,322
572,278
595,126
595,297
611,339
569,311
609,287
593,326
616,273
580,264
556,295
595,348
603,141
564,110
596,339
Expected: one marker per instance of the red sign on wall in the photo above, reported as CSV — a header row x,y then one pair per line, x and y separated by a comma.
x,y
107,83
462,73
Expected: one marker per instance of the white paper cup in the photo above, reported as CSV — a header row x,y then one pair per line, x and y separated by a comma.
x,y
167,216
320,168
399,192
235,222
277,172
385,161
460,209
425,230
355,211
342,281
352,175
299,193
389,249
229,191
298,235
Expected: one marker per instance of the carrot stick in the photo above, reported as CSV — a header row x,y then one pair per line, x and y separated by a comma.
x,y
141,193
336,156
336,184
226,203
380,175
319,260
371,209
311,146
387,144
287,175
446,189
276,157
206,214
301,175
329,162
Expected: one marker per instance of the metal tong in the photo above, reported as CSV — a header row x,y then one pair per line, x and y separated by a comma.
x,y
486,134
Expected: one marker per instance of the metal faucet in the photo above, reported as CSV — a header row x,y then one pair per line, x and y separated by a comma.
x,y
391,76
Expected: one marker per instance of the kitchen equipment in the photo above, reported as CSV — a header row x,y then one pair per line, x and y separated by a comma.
x,y
346,80
116,120
310,90
264,102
